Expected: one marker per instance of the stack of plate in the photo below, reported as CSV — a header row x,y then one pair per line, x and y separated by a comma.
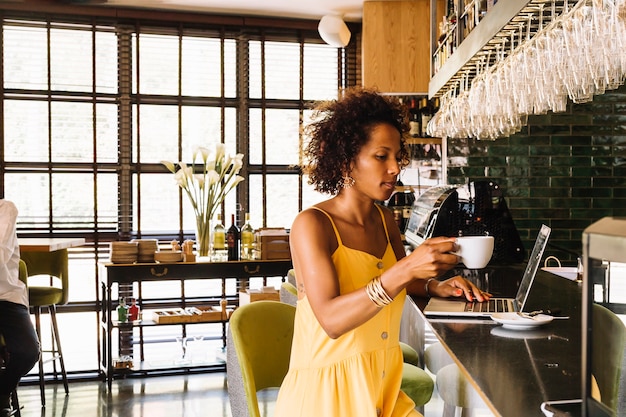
x,y
147,247
124,252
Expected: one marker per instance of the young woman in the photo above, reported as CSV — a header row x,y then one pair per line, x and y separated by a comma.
x,y
351,268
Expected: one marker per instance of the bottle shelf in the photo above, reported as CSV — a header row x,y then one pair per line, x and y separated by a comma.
x,y
494,24
423,141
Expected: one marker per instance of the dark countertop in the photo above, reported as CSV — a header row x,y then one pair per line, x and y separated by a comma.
x,y
515,371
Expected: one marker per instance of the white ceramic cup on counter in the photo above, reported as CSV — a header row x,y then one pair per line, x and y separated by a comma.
x,y
474,251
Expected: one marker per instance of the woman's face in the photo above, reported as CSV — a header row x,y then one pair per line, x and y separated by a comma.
x,y
376,166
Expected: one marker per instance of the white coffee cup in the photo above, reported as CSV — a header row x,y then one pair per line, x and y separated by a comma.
x,y
474,251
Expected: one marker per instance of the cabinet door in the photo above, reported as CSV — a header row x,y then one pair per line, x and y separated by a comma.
x,y
396,46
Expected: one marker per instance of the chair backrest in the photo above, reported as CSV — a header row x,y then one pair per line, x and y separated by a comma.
x,y
609,341
291,277
288,293
258,351
23,272
49,263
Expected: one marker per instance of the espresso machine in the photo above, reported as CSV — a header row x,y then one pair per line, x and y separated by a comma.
x,y
477,208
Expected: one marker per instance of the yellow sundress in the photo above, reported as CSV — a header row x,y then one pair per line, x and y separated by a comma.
x,y
359,373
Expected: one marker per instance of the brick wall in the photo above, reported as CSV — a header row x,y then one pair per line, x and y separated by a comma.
x,y
563,169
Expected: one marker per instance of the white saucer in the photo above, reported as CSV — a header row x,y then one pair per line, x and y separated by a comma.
x,y
514,321
534,333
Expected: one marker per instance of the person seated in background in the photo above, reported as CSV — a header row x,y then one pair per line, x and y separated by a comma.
x,y
21,347
351,268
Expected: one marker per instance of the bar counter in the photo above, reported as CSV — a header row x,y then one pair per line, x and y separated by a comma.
x,y
513,371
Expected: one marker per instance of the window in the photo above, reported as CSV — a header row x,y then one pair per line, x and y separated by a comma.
x,y
91,107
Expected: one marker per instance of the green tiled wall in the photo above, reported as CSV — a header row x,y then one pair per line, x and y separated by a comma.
x,y
566,170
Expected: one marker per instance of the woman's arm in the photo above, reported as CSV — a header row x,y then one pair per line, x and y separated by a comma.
x,y
313,241
427,287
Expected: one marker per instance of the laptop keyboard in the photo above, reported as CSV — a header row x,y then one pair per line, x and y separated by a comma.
x,y
491,306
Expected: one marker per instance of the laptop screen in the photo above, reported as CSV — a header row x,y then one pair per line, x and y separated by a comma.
x,y
531,268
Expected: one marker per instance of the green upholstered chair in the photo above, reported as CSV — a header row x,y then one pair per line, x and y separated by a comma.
x,y
291,277
258,351
52,268
409,355
288,293
23,272
609,340
417,384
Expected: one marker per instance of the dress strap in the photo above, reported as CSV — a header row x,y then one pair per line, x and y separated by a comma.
x,y
332,223
380,211
382,216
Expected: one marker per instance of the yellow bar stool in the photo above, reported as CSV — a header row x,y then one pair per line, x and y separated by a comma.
x,y
52,265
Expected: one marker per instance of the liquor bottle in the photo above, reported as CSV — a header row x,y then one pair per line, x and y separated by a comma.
x,y
219,240
247,239
133,310
414,119
232,240
122,311
400,203
435,105
426,115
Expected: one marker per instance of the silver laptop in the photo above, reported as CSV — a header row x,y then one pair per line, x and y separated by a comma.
x,y
461,307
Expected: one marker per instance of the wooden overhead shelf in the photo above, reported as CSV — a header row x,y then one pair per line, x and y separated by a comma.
x,y
396,46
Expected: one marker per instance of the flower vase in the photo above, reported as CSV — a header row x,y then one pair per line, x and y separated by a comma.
x,y
203,237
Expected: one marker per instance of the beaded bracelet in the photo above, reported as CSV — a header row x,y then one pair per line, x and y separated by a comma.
x,y
377,293
426,286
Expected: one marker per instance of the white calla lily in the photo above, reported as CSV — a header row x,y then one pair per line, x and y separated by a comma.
x,y
206,183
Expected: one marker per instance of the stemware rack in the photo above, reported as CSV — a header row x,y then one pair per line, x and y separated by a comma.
x,y
492,32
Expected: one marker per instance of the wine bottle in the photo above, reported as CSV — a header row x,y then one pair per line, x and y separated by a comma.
x,y
133,310
232,240
426,116
414,119
435,105
396,203
219,240
247,239
122,311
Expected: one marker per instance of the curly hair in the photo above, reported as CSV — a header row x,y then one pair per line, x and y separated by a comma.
x,y
341,128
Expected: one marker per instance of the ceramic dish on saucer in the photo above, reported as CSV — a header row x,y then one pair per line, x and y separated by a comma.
x,y
515,321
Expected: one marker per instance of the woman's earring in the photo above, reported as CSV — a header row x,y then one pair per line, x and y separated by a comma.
x,y
347,181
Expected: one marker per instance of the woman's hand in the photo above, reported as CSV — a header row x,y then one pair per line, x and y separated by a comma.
x,y
456,287
432,258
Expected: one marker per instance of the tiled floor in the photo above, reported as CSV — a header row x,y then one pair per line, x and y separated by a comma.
x,y
198,395
181,396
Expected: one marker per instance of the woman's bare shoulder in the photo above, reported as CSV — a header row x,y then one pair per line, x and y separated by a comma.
x,y
314,226
312,216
